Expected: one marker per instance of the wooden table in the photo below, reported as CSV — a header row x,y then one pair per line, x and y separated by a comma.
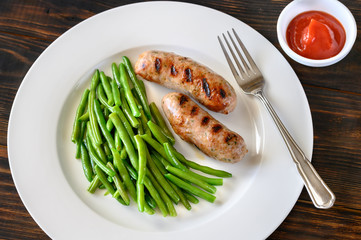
x,y
334,95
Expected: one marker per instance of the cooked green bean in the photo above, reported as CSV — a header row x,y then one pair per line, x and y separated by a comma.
x,y
142,158
116,93
98,160
140,196
94,184
168,202
172,158
109,125
192,179
85,161
107,88
116,74
84,117
155,145
124,79
95,80
157,116
205,169
93,119
119,165
125,139
80,110
157,133
150,201
80,139
162,181
119,185
152,190
117,140
125,122
102,124
140,91
123,154
101,96
128,113
191,198
192,189
212,181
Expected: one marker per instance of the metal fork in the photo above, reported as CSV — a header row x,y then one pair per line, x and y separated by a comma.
x,y
251,81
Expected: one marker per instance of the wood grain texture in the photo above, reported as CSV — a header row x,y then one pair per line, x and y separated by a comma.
x,y
334,95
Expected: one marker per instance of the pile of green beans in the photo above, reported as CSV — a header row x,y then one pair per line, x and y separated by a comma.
x,y
126,147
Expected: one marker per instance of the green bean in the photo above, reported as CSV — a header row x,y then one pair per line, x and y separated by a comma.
x,y
109,125
191,198
98,160
172,158
93,119
155,145
123,154
141,92
99,151
168,202
119,185
94,184
102,124
95,80
152,190
150,201
157,133
80,110
117,140
212,181
157,116
192,179
162,181
140,196
85,161
84,117
116,93
157,161
79,140
125,122
125,139
124,79
118,163
192,189
128,113
107,88
143,118
116,74
101,96
107,152
142,158
205,169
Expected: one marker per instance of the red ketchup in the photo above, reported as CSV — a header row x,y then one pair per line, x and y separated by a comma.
x,y
316,35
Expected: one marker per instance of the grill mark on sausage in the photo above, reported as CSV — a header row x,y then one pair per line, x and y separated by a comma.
x,y
216,128
205,121
205,87
173,71
222,93
188,73
157,64
194,111
183,99
229,137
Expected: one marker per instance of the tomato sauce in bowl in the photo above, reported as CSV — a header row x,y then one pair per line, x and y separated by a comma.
x,y
315,35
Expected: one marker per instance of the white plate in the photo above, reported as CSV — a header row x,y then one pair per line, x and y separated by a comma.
x,y
50,182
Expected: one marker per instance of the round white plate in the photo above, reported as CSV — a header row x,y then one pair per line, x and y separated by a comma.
x,y
50,182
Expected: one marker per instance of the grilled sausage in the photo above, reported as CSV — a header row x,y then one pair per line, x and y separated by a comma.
x,y
187,76
195,125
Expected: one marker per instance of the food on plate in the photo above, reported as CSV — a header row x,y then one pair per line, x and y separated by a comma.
x,y
195,125
125,147
316,35
187,76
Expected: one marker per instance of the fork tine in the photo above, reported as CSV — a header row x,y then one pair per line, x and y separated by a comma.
x,y
240,68
233,69
245,64
246,53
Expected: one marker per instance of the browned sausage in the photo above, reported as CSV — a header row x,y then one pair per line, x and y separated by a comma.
x,y
196,126
187,76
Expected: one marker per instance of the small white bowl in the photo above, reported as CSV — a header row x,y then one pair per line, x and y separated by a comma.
x,y
332,7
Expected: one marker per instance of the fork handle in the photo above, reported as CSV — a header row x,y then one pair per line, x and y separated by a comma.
x,y
320,193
